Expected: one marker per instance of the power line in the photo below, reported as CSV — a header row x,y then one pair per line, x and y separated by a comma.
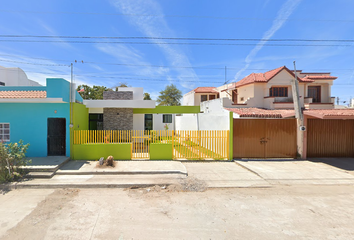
x,y
176,16
181,38
41,64
186,43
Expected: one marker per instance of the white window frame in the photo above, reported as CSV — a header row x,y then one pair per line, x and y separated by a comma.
x,y
2,132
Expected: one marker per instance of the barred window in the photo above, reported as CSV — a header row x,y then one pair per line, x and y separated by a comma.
x,y
5,132
278,92
167,118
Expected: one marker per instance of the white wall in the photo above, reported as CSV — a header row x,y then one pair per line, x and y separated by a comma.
x,y
138,121
188,99
15,77
138,92
159,125
203,121
186,122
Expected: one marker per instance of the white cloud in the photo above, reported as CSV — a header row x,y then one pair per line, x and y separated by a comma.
x,y
283,14
156,27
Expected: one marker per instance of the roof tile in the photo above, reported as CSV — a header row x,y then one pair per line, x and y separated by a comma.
x,y
262,113
23,94
205,90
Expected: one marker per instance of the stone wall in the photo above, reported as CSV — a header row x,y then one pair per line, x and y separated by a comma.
x,y
118,119
112,95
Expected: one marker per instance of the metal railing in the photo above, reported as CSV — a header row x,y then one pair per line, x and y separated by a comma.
x,y
186,144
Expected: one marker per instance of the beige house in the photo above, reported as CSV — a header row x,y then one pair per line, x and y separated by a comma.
x,y
272,90
199,95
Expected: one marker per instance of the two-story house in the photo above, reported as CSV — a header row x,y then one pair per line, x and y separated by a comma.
x,y
272,90
264,124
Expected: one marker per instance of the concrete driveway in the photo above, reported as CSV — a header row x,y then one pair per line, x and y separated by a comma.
x,y
344,164
290,172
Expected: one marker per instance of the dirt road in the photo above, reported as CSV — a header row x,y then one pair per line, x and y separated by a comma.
x,y
301,212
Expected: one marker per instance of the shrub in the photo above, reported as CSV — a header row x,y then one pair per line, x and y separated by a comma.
x,y
12,158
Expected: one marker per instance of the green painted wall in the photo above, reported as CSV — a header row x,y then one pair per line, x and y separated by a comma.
x,y
119,151
168,109
161,151
231,136
80,117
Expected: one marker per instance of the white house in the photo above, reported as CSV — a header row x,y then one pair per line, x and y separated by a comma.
x,y
125,109
15,77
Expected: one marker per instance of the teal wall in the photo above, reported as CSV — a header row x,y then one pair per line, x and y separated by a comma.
x,y
28,121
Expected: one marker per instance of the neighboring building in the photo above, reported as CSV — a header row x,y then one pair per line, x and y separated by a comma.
x,y
272,90
198,95
38,115
351,103
15,77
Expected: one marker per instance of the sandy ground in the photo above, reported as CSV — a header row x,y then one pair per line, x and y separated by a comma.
x,y
180,212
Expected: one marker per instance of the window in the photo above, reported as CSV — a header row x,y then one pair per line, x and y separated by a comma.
x,y
148,122
167,118
278,92
5,132
211,97
203,98
2,84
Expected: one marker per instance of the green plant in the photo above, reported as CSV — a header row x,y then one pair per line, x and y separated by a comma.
x,y
12,158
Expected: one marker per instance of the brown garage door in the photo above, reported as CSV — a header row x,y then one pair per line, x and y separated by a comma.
x,y
264,138
330,138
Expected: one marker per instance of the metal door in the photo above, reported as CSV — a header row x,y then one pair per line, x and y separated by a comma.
x,y
330,138
264,138
56,138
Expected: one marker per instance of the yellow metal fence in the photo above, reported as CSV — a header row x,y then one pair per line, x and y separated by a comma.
x,y
208,144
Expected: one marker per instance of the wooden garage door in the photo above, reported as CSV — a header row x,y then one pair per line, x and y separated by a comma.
x,y
330,138
264,138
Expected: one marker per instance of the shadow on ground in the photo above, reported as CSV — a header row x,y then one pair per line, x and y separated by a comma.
x,y
342,163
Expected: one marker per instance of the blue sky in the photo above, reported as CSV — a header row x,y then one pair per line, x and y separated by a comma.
x,y
156,64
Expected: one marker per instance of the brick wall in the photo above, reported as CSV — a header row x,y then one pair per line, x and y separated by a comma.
x,y
112,95
118,119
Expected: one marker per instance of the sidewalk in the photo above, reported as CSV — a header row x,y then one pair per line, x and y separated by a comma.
x,y
235,174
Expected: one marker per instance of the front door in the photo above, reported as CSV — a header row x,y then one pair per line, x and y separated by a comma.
x,y
314,92
56,138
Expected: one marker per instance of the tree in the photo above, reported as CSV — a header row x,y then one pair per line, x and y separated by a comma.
x,y
170,96
115,88
12,159
95,92
147,96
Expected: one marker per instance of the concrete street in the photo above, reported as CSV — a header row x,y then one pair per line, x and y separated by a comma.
x,y
244,199
282,212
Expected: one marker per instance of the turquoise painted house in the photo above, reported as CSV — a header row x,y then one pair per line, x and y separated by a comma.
x,y
38,115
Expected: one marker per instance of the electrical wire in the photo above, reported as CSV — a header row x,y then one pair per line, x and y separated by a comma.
x,y
176,16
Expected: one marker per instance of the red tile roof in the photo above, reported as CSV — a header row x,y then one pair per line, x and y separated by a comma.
x,y
205,90
330,113
267,76
320,77
262,113
23,94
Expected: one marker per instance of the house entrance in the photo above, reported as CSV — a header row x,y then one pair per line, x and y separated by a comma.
x,y
56,137
264,138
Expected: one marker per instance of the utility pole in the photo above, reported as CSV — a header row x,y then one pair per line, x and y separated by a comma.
x,y
298,115
71,93
225,75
